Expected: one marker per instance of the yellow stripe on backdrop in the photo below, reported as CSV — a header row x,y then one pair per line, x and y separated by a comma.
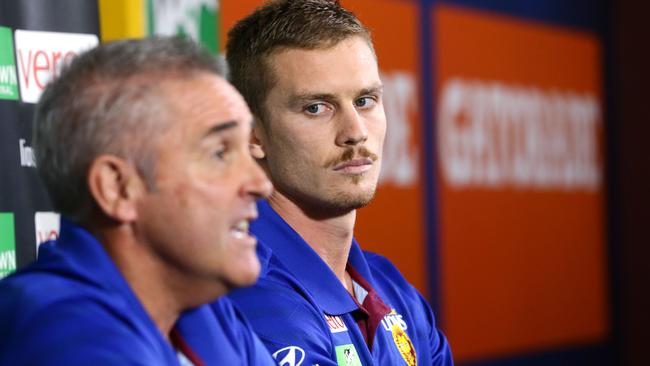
x,y
197,19
120,19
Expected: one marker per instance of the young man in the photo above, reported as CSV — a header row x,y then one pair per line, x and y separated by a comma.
x,y
308,70
143,147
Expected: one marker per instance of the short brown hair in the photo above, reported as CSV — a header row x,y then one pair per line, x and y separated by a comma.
x,y
305,24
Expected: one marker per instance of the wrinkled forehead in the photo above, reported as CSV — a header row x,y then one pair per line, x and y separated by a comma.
x,y
202,100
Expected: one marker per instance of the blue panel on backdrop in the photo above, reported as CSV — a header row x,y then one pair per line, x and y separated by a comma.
x,y
586,14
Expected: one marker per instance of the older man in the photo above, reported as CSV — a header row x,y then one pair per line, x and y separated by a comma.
x,y
143,147
309,72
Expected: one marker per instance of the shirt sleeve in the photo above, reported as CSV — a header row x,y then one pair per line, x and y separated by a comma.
x,y
440,350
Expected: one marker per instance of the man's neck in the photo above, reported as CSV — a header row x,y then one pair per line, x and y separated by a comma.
x,y
330,237
163,293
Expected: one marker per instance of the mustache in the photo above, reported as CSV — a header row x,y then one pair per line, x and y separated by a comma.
x,y
349,154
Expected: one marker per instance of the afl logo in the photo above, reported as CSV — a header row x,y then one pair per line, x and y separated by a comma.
x,y
289,356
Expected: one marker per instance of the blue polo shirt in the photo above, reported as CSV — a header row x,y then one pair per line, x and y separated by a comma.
x,y
73,307
305,316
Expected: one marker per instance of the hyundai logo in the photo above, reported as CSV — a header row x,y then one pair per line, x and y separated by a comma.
x,y
289,356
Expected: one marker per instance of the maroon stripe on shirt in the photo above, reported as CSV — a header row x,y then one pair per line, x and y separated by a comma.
x,y
179,344
371,312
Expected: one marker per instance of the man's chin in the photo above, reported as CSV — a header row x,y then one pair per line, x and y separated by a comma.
x,y
345,203
245,278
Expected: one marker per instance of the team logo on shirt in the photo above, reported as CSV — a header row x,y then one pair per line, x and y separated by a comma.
x,y
336,323
404,345
346,355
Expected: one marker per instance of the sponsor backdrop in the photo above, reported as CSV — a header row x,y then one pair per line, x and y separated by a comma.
x,y
36,38
520,182
491,197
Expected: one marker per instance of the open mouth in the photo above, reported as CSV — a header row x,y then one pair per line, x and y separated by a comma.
x,y
240,230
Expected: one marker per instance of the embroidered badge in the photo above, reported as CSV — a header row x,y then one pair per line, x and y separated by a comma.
x,y
404,345
346,355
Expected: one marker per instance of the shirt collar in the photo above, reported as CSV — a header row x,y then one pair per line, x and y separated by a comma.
x,y
86,258
303,262
84,254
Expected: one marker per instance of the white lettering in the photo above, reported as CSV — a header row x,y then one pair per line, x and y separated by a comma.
x,y
400,155
8,75
8,260
391,319
26,155
494,135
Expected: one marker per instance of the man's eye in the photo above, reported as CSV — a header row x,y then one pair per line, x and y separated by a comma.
x,y
315,109
220,153
364,102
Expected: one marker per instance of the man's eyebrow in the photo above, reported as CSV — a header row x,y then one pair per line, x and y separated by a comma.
x,y
375,89
220,128
298,99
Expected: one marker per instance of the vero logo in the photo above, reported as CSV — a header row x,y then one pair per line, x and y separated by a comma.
x,y
7,244
41,55
8,80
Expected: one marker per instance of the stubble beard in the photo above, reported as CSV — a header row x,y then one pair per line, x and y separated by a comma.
x,y
333,203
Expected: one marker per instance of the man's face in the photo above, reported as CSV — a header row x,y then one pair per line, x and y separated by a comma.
x,y
196,215
325,125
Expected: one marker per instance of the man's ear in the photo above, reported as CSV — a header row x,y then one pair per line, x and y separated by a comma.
x,y
116,187
258,137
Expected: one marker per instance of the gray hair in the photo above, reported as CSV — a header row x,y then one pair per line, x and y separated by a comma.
x,y
107,101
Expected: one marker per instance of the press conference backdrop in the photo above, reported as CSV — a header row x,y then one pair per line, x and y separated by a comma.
x,y
491,198
36,38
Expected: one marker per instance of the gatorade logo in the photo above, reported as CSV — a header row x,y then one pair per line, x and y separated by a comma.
x,y
7,244
8,80
41,55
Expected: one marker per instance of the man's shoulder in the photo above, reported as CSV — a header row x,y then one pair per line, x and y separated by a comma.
x,y
285,317
285,302
397,291
45,323
279,292
384,271
33,290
